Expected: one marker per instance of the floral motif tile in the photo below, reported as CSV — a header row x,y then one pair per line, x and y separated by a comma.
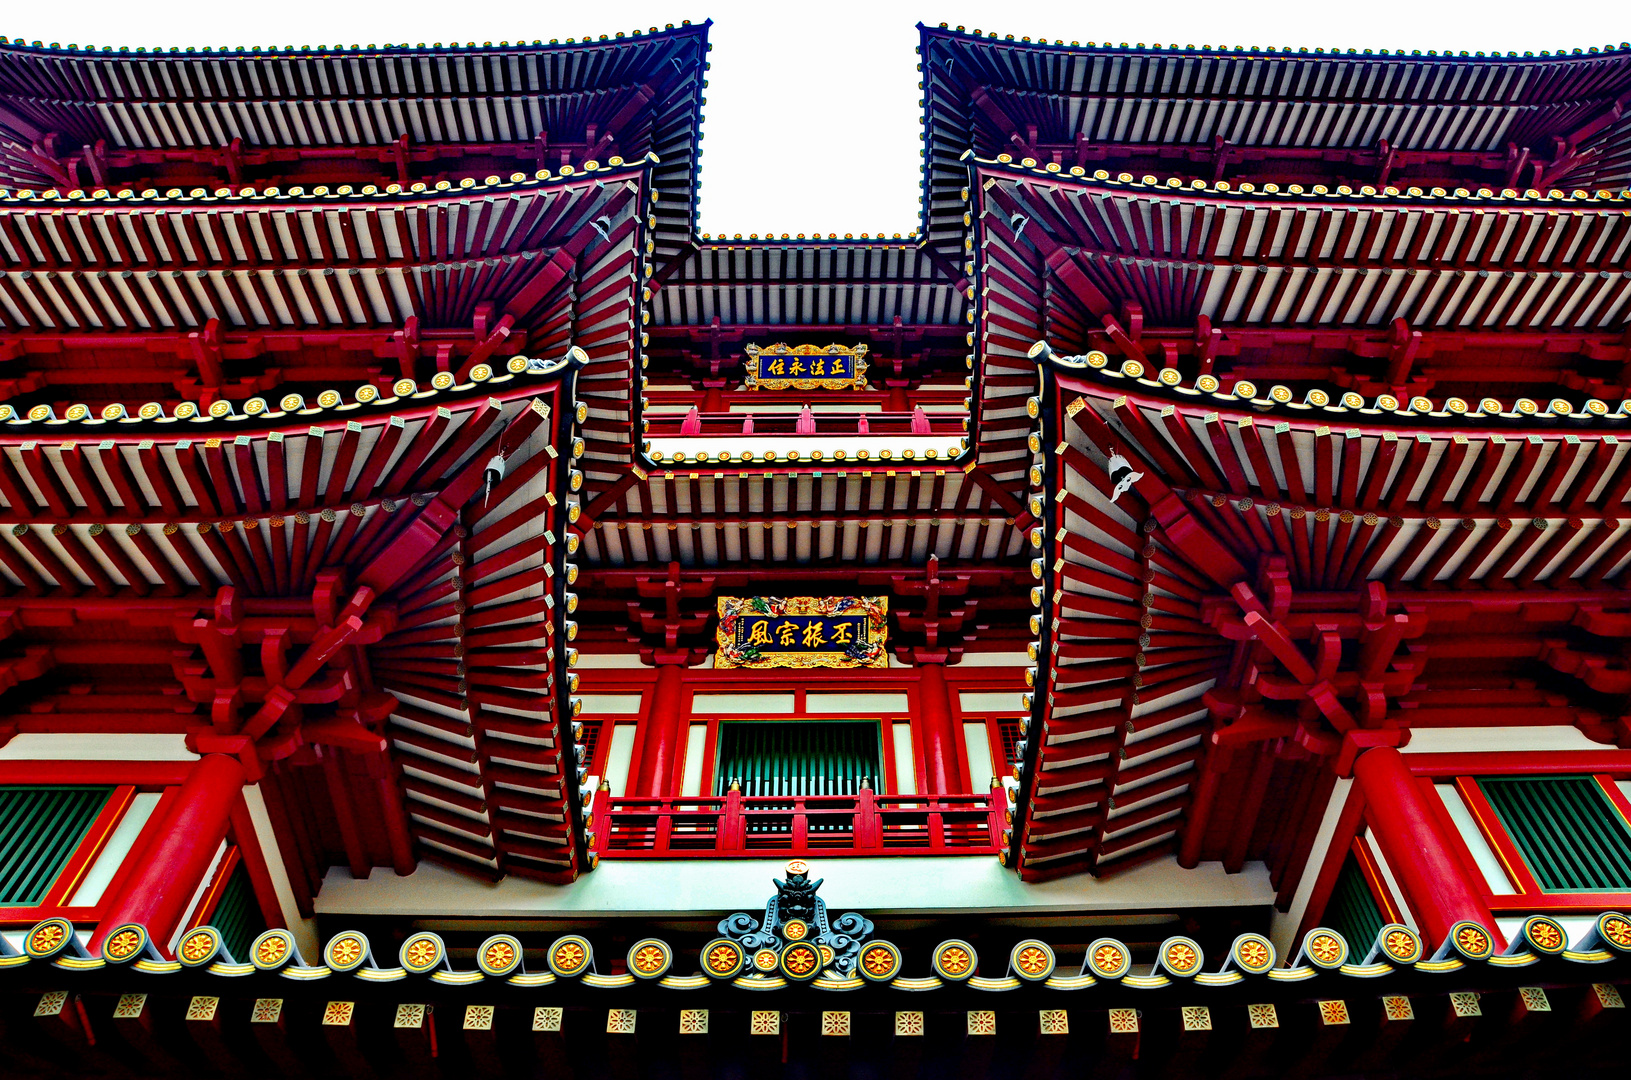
x,y
1124,1021
130,1006
1534,999
1333,1012
982,1022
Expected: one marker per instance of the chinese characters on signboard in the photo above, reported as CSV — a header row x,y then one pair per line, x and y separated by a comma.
x,y
802,632
806,367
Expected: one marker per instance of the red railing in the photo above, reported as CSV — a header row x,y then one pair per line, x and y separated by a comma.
x,y
725,425
736,826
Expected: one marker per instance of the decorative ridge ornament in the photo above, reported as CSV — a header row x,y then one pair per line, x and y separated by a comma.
x,y
1168,384
1395,943
260,410
795,921
129,942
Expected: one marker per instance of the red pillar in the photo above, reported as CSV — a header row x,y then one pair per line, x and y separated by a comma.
x,y
170,869
663,740
713,397
942,764
1439,888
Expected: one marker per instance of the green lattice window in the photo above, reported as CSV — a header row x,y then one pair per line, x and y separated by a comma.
x,y
790,758
40,829
1352,910
238,914
1572,836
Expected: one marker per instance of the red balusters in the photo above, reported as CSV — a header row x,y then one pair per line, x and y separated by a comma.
x,y
732,829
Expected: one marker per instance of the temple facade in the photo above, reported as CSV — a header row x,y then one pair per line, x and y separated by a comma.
x,y
1164,616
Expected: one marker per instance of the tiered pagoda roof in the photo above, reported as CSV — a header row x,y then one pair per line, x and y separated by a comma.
x,y
1356,321
86,119
1263,517
395,598
886,293
1467,293
1269,116
226,296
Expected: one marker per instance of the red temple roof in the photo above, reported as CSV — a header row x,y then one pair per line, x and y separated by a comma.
x,y
1269,116
81,119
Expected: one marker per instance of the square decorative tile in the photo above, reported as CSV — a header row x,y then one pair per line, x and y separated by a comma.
x,y
1608,995
1465,1003
203,1007
1333,1012
478,1017
339,1013
546,1019
1124,1021
620,1021
130,1006
410,1016
1534,999
835,1023
1262,1016
51,1003
908,1023
266,1011
693,1021
1057,1021
1398,1007
765,1022
982,1022
1197,1018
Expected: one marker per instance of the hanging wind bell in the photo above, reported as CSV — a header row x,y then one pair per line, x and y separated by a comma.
x,y
1121,475
490,475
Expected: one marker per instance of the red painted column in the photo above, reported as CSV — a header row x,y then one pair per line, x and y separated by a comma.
x,y
171,868
663,737
942,764
1438,886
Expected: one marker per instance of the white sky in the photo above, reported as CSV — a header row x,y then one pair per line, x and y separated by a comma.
x,y
812,122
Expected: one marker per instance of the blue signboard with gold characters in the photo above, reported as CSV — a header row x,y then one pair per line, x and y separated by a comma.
x,y
802,632
806,367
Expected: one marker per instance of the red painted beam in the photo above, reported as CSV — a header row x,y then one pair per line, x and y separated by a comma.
x,y
1405,826
169,872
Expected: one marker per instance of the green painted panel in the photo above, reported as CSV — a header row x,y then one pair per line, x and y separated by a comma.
x,y
238,914
40,829
1570,834
779,759
1353,911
